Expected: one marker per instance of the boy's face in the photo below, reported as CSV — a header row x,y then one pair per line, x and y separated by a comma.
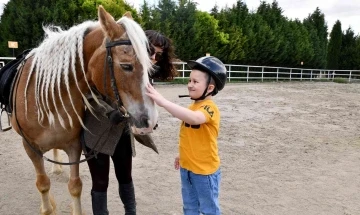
x,y
197,83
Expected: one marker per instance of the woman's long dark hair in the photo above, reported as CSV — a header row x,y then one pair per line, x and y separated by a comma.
x,y
165,69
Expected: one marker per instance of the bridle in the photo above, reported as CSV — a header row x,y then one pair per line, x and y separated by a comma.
x,y
109,62
123,111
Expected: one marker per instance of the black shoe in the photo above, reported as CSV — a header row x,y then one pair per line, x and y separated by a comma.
x,y
127,196
99,203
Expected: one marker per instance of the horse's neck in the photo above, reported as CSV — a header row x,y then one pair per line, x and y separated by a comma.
x,y
94,56
92,42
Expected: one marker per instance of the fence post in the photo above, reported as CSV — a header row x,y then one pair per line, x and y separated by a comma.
x,y
183,71
333,75
290,74
229,73
328,75
350,77
311,75
301,75
262,74
247,74
277,75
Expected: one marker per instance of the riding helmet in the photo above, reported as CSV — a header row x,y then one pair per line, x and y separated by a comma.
x,y
212,66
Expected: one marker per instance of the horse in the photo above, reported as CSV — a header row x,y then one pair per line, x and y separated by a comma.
x,y
49,95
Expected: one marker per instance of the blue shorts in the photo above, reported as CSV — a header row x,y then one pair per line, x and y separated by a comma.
x,y
200,193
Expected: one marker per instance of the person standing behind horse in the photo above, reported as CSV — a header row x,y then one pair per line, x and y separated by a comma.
x,y
114,138
198,159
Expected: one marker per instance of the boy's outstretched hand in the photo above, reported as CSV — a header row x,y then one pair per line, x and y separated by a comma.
x,y
155,95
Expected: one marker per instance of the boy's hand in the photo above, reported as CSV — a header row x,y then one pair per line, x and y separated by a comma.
x,y
155,95
176,163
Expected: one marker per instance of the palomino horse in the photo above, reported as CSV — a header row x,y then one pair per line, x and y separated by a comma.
x,y
49,94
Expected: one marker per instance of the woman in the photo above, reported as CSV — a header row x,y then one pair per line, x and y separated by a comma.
x,y
161,54
117,139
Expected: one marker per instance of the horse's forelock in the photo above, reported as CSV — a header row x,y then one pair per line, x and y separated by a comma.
x,y
139,41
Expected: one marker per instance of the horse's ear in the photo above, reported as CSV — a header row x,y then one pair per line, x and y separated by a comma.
x,y
108,24
128,14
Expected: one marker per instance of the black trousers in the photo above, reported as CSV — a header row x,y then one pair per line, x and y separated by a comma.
x,y
122,160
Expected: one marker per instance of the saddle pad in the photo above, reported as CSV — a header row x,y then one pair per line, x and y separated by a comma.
x,y
7,75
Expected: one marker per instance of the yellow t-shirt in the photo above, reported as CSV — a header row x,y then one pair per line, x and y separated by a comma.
x,y
198,143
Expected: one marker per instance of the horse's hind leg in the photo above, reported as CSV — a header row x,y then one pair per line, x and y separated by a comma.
x,y
57,168
42,182
75,183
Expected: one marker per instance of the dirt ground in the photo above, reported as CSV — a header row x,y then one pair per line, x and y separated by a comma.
x,y
285,148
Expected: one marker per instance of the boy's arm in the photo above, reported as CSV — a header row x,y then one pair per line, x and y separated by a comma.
x,y
184,114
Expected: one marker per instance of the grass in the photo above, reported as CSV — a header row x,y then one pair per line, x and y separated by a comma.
x,y
341,80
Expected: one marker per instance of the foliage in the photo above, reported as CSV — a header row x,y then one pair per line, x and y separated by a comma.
x,y
22,20
234,34
334,48
316,25
349,56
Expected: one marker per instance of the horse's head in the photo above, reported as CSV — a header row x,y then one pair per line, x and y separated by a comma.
x,y
125,74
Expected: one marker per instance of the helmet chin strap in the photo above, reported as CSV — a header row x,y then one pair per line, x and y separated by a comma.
x,y
204,95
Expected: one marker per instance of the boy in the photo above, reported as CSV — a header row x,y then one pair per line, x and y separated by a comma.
x,y
198,159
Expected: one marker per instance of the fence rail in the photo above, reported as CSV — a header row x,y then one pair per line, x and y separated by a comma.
x,y
248,73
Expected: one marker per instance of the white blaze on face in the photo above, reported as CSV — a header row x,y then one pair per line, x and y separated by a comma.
x,y
148,108
140,44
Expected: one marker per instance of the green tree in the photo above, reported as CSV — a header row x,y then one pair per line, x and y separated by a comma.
x,y
298,45
165,15
23,20
349,51
145,13
316,25
207,38
334,48
183,31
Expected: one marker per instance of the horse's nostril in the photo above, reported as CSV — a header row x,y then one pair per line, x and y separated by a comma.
x,y
144,120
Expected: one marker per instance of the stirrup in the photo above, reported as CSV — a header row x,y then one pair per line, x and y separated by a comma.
x,y
8,127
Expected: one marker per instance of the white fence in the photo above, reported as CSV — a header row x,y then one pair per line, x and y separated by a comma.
x,y
248,73
5,60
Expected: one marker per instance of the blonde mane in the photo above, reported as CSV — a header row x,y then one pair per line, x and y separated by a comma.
x,y
54,60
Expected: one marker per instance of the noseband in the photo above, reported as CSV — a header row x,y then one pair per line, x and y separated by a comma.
x,y
109,62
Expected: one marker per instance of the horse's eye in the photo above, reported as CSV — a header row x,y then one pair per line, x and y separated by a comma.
x,y
126,67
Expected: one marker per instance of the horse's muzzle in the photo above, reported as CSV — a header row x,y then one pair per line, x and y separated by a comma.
x,y
142,126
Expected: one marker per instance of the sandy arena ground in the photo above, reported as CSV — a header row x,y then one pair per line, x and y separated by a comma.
x,y
286,149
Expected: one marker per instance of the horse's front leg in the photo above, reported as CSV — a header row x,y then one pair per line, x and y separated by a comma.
x,y
42,182
75,184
